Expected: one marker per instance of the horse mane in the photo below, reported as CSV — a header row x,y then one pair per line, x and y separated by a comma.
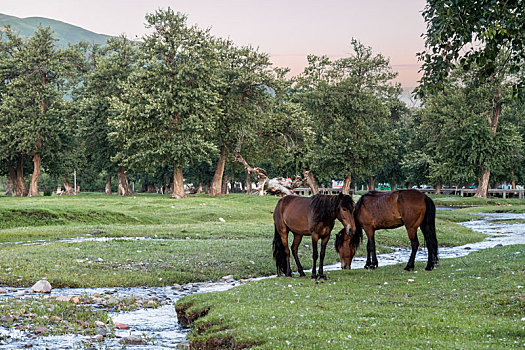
x,y
325,207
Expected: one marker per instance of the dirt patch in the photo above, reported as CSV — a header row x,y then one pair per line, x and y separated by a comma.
x,y
186,318
212,342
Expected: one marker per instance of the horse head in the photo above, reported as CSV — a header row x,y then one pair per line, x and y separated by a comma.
x,y
345,213
347,245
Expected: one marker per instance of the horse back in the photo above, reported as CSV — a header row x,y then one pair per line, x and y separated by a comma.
x,y
386,210
293,212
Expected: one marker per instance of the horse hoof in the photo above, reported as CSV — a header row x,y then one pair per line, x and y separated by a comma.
x,y
314,277
429,268
323,277
302,275
408,268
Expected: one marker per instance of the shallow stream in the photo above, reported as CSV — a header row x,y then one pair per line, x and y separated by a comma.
x,y
159,326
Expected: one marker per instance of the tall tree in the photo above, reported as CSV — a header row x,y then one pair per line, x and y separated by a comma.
x,y
110,67
485,37
349,99
33,100
246,77
170,101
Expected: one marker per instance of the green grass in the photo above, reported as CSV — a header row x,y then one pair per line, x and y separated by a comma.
x,y
196,245
471,302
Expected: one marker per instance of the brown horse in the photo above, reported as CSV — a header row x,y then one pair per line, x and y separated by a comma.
x,y
387,210
306,216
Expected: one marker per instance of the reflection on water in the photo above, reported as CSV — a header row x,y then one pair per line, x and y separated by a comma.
x,y
160,325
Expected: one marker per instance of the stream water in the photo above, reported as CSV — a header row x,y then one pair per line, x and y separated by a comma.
x,y
159,326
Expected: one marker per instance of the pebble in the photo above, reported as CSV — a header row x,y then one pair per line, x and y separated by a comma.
x,y
98,338
121,325
176,286
132,340
63,298
100,324
40,330
7,318
41,286
228,277
101,331
3,291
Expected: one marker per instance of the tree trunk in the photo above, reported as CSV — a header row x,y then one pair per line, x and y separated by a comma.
x,y
394,180
483,186
167,181
346,185
248,182
493,119
33,187
224,189
216,184
11,179
513,179
310,180
199,190
123,183
20,186
439,185
178,183
371,183
108,185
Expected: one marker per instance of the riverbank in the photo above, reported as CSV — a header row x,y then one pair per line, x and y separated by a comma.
x,y
158,242
470,302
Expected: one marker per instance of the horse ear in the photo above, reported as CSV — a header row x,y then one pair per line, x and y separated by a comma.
x,y
341,195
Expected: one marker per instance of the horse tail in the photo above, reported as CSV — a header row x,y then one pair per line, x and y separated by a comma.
x,y
279,252
429,231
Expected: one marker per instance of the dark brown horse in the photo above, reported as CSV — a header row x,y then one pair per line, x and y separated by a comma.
x,y
306,216
386,210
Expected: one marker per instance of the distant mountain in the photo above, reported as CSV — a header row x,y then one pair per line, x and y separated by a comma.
x,y
65,33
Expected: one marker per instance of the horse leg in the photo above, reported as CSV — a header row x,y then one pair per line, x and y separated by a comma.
x,y
315,238
295,246
324,242
414,243
371,257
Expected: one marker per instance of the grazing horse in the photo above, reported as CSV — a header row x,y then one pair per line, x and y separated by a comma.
x,y
306,216
387,210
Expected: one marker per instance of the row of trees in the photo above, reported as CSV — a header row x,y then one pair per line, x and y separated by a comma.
x,y
182,104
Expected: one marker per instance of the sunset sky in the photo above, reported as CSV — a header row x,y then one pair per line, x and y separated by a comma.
x,y
288,30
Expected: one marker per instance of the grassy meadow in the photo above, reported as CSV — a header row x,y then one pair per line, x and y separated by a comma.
x,y
471,302
194,239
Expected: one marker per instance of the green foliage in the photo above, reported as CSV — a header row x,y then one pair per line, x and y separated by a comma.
x,y
472,33
349,99
168,103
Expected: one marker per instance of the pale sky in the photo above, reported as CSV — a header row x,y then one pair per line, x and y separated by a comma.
x,y
288,30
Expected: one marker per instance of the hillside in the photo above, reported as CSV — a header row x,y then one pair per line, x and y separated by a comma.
x,y
64,32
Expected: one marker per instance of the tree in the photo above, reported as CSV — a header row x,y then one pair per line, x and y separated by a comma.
x,y
11,157
485,37
168,105
350,100
110,67
32,103
244,89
